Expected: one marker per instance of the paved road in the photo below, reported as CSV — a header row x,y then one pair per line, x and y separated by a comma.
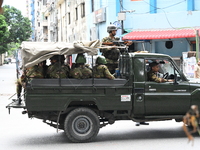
x,y
18,132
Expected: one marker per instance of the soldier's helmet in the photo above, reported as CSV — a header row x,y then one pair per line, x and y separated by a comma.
x,y
101,60
55,57
62,57
111,28
80,58
153,64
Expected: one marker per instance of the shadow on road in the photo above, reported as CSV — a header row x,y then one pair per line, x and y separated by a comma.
x,y
147,134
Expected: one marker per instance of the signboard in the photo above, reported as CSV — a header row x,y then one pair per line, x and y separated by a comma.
x,y
188,65
100,15
125,98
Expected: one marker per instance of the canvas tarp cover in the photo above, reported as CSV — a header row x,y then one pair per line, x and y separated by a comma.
x,y
34,52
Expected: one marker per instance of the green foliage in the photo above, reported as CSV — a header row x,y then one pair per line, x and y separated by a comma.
x,y
12,47
3,48
3,28
19,27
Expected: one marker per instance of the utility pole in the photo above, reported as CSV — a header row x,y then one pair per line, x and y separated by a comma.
x,y
122,15
197,45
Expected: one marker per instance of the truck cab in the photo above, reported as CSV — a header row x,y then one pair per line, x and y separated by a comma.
x,y
159,100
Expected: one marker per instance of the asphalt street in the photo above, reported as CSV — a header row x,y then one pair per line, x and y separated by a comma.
x,y
18,132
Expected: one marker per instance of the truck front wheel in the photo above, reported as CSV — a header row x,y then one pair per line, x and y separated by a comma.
x,y
81,125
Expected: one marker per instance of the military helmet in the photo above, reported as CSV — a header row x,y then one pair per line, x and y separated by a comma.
x,y
153,64
101,60
62,57
80,58
111,28
55,57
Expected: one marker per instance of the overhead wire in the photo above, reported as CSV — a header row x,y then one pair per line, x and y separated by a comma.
x,y
156,8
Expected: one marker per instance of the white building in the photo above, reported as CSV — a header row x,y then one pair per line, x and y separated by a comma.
x,y
58,20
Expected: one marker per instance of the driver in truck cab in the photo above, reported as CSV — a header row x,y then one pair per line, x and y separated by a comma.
x,y
152,74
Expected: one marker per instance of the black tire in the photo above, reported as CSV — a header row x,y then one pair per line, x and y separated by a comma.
x,y
81,125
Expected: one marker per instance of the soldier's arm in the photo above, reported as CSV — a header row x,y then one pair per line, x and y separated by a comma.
x,y
107,73
156,79
107,41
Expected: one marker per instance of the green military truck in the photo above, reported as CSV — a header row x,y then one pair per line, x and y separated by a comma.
x,y
81,107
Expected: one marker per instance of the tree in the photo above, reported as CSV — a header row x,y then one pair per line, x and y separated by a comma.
x,y
19,26
3,28
1,9
3,33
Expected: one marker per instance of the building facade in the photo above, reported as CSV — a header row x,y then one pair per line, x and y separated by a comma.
x,y
164,15
74,20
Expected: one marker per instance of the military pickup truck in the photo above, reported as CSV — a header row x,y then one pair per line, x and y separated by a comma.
x,y
81,107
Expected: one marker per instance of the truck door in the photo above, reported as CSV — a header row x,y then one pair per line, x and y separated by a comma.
x,y
167,98
138,87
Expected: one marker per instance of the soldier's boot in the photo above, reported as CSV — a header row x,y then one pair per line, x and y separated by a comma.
x,y
141,123
19,99
144,123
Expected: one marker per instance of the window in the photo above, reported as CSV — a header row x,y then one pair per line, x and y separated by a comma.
x,y
124,66
69,19
76,13
44,2
193,46
92,5
82,10
169,44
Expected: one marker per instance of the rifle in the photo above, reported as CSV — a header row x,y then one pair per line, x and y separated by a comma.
x,y
117,43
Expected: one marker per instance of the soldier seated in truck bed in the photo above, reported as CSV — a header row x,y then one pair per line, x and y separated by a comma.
x,y
100,70
57,69
80,71
33,72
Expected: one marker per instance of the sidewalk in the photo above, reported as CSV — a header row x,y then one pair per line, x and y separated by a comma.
x,y
7,80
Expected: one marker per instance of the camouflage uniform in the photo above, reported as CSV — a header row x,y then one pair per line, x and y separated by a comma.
x,y
57,70
101,71
81,72
111,55
30,73
153,77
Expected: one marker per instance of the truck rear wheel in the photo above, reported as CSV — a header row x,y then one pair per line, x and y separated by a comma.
x,y
81,125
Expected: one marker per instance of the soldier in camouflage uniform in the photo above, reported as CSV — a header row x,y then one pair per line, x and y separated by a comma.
x,y
57,69
29,73
101,70
80,71
152,74
111,55
45,67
